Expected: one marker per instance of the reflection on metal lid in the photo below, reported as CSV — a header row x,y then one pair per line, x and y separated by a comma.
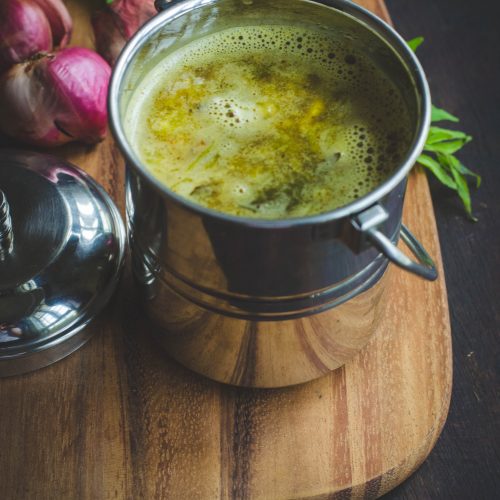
x,y
61,263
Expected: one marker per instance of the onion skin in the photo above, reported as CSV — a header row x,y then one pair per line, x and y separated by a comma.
x,y
118,22
56,98
24,31
59,19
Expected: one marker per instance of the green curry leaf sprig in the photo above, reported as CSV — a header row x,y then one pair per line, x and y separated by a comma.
x,y
439,152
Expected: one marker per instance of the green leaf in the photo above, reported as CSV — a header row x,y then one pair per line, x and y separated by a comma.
x,y
463,192
415,43
465,171
447,147
454,163
438,115
109,1
438,170
462,188
438,134
443,143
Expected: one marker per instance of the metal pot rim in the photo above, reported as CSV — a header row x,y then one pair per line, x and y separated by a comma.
x,y
369,21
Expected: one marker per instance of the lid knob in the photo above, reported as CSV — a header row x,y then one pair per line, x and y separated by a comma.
x,y
6,236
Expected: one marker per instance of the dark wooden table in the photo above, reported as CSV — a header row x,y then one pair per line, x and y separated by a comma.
x,y
461,56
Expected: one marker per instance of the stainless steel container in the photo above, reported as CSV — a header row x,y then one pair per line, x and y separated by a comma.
x,y
266,303
62,243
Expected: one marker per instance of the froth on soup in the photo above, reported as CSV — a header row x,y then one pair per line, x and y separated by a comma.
x,y
269,122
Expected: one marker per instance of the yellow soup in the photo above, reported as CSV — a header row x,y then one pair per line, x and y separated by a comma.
x,y
269,122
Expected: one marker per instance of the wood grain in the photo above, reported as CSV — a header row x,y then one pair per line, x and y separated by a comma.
x,y
468,449
118,419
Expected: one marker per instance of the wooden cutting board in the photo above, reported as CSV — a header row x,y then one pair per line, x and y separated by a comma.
x,y
118,419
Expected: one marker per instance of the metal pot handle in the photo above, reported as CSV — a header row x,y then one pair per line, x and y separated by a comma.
x,y
425,266
367,223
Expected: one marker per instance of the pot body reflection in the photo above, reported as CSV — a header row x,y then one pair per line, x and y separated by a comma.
x,y
251,306
260,353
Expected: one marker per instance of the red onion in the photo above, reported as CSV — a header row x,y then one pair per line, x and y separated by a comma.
x,y
117,22
28,27
56,98
59,19
24,31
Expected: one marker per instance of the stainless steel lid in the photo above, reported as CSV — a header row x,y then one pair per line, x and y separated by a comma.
x,y
62,243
